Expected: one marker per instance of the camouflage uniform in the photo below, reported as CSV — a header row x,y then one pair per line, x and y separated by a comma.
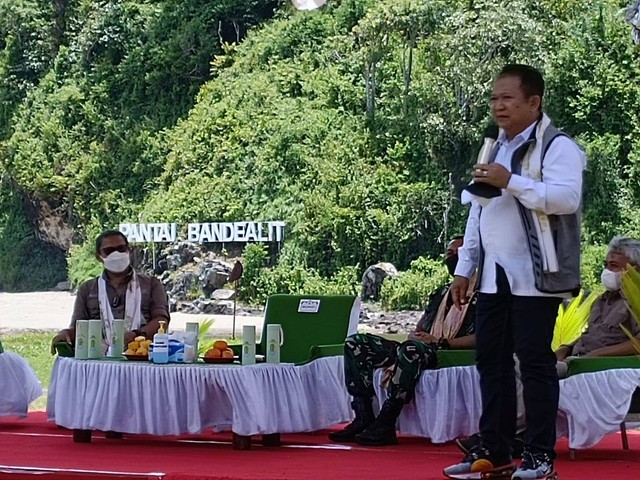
x,y
363,353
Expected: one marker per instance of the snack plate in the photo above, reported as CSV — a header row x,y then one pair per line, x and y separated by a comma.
x,y
218,359
138,358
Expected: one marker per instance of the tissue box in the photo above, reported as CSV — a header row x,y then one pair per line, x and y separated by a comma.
x,y
176,351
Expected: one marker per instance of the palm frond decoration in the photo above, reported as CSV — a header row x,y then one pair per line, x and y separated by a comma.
x,y
202,332
631,292
572,319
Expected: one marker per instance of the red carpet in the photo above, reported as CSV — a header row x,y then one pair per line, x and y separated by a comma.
x,y
34,443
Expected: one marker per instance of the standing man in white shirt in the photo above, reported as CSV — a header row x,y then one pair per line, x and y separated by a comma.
x,y
525,244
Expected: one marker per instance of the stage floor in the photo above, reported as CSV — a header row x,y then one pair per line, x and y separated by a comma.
x,y
35,443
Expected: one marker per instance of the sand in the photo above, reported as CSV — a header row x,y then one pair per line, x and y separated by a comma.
x,y
52,311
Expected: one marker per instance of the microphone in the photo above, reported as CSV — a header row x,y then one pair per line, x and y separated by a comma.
x,y
485,190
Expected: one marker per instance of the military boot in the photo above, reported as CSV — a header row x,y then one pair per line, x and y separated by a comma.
x,y
364,417
383,430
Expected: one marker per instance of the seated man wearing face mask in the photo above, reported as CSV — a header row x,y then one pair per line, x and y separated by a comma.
x,y
119,292
604,337
441,327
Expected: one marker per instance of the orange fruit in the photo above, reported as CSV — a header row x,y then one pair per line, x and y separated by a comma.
x,y
220,344
227,353
213,353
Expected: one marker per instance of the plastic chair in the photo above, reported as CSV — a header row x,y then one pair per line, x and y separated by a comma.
x,y
308,322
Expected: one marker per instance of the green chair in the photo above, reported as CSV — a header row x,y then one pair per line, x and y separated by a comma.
x,y
309,323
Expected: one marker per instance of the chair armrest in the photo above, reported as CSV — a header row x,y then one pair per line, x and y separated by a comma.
x,y
595,364
456,358
63,349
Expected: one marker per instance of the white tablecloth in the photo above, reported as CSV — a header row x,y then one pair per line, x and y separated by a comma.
x,y
140,397
19,385
448,404
593,404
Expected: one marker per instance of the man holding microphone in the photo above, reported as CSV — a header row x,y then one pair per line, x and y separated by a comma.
x,y
525,243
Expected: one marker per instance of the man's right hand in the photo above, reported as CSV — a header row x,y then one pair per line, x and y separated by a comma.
x,y
62,336
459,289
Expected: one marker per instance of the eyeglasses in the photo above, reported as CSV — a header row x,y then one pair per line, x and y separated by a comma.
x,y
118,248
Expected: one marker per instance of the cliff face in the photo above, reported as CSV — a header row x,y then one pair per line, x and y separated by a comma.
x,y
51,226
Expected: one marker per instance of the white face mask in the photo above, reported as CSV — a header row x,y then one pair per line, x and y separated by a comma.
x,y
611,280
117,262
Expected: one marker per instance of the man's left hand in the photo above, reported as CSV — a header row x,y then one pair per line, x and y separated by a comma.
x,y
424,337
492,174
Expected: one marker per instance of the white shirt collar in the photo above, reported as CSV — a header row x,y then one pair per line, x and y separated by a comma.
x,y
518,139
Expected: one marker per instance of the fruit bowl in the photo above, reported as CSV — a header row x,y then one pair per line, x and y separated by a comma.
x,y
218,360
138,358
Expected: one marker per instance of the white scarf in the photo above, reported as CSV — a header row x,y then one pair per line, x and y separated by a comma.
x,y
532,168
132,312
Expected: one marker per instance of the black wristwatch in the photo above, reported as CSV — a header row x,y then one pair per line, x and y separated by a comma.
x,y
443,344
140,333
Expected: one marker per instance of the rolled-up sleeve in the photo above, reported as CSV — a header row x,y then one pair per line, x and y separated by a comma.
x,y
560,190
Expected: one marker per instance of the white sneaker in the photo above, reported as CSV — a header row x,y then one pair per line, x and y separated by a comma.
x,y
534,466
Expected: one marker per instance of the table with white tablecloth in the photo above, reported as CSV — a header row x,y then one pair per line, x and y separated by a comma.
x,y
140,397
174,399
448,404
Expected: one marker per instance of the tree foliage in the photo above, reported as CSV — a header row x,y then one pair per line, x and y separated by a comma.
x,y
356,124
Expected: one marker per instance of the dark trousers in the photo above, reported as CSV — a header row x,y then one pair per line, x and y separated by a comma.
x,y
508,324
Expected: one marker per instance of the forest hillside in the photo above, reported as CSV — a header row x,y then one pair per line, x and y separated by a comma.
x,y
356,124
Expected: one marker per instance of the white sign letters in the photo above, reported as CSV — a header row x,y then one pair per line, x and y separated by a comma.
x,y
205,232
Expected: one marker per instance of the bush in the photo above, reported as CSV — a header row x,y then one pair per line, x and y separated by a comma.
x,y
290,276
591,260
82,263
411,289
